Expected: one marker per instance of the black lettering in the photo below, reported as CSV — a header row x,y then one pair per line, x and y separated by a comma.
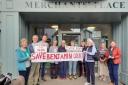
x,y
36,4
115,5
49,6
109,5
43,5
122,4
28,4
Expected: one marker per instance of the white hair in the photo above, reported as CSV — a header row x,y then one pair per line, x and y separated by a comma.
x,y
90,41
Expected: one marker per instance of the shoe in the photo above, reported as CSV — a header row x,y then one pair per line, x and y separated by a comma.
x,y
37,84
52,77
104,79
70,77
74,76
100,78
55,77
87,83
44,79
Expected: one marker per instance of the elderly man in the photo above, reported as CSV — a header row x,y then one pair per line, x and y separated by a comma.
x,y
34,74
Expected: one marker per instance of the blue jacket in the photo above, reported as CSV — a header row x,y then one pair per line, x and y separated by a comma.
x,y
90,53
31,49
22,57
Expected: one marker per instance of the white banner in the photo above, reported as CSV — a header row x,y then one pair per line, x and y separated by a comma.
x,y
41,55
52,57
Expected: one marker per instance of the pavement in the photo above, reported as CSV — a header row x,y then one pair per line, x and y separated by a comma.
x,y
79,81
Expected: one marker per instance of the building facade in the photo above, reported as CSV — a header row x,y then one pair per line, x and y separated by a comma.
x,y
17,15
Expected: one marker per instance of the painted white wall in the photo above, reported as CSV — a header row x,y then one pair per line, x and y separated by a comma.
x,y
9,41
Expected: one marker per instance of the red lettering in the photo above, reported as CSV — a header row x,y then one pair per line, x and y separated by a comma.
x,y
70,55
65,55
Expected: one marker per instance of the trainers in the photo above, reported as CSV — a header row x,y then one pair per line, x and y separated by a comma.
x,y
70,77
74,76
104,79
87,83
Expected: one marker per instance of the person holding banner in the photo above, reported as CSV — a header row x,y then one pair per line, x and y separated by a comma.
x,y
89,62
54,65
72,64
62,64
81,65
23,59
34,73
44,44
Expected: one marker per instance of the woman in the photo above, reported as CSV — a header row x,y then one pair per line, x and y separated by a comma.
x,y
102,62
23,59
81,65
89,62
54,65
72,65
62,64
113,60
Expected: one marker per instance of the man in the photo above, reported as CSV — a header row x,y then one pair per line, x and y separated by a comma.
x,y
43,42
34,73
62,64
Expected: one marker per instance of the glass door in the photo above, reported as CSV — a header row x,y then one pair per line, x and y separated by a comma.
x,y
69,37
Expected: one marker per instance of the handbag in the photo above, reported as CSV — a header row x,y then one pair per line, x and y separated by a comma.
x,y
96,57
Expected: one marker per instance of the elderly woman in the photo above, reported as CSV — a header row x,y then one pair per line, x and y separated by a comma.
x,y
113,60
89,62
23,59
81,65
102,63
72,65
54,65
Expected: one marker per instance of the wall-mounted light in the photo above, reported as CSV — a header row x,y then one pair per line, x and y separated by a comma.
x,y
91,28
55,27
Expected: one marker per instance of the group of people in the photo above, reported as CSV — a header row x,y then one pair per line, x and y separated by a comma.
x,y
32,72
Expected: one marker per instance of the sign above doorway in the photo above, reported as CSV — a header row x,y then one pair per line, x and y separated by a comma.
x,y
65,6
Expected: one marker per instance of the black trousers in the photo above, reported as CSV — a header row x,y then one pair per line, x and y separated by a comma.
x,y
81,68
54,70
25,74
90,72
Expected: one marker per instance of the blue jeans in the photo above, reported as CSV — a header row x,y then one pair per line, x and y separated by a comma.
x,y
90,72
42,70
72,67
62,69
113,71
